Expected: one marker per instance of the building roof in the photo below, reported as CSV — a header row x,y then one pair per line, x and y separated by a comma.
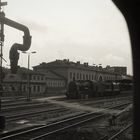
x,y
12,78
22,70
69,64
51,74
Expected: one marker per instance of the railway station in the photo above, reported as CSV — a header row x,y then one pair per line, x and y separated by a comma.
x,y
47,79
60,99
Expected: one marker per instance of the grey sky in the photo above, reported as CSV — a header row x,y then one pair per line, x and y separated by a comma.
x,y
91,31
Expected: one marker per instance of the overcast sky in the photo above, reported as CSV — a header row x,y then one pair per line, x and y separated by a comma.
x,y
92,31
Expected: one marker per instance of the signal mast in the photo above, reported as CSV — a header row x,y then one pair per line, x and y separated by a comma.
x,y
2,118
1,40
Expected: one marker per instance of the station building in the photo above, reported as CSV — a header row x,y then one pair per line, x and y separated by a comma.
x,y
53,77
41,83
17,84
75,70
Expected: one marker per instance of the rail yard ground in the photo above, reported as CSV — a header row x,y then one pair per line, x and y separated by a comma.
x,y
44,111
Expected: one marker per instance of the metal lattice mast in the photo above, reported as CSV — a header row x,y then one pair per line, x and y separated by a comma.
x,y
1,40
1,48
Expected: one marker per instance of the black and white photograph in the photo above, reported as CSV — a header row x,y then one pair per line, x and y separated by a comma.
x,y
68,70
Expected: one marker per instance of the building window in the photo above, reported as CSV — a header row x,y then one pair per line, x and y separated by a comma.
x,y
34,77
73,75
24,88
38,88
63,84
92,77
89,77
42,78
70,75
24,77
56,83
80,76
34,88
83,76
77,76
48,83
73,78
38,77
86,77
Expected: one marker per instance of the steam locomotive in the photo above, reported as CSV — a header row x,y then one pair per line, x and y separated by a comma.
x,y
89,89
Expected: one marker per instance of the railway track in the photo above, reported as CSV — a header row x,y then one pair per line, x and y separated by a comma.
x,y
5,105
109,99
16,117
118,134
30,105
25,107
50,129
35,112
86,102
121,132
107,102
13,99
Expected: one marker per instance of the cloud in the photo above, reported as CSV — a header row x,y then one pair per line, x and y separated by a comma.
x,y
33,25
114,58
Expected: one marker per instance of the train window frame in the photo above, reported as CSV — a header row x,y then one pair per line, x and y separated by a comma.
x,y
135,57
130,11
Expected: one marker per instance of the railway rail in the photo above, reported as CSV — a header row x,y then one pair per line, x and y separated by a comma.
x,y
12,99
14,107
101,101
16,117
46,130
105,102
122,131
95,100
118,134
26,106
4,105
32,113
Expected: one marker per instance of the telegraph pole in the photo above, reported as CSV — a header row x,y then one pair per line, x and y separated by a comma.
x,y
2,118
1,47
1,34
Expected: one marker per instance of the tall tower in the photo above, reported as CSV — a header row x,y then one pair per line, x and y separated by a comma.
x,y
1,53
1,40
